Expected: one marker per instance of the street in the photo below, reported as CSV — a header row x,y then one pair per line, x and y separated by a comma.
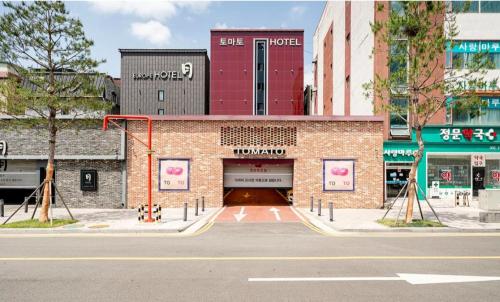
x,y
217,265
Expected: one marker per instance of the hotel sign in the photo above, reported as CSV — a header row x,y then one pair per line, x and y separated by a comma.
x,y
173,175
272,42
259,152
338,175
186,72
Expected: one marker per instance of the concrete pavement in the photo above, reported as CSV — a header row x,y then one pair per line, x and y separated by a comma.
x,y
216,265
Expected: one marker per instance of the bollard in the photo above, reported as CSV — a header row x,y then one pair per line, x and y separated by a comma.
x,y
203,203
26,205
330,205
196,208
312,203
319,207
185,211
2,208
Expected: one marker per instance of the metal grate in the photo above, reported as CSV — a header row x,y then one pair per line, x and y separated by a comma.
x,y
258,136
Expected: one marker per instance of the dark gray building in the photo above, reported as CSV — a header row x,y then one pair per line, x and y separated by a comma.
x,y
164,81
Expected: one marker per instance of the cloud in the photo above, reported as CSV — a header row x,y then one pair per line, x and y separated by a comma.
x,y
297,10
152,31
149,9
220,25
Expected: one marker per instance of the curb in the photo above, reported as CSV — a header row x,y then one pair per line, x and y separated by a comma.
x,y
197,225
315,222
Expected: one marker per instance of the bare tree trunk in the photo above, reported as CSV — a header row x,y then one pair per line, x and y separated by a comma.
x,y
412,188
44,210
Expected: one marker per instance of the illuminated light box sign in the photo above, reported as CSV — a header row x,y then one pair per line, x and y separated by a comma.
x,y
173,175
264,176
338,175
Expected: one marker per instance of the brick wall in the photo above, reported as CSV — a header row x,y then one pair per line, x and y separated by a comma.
x,y
109,191
199,140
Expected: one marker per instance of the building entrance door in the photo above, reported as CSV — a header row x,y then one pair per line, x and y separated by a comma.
x,y
477,180
396,176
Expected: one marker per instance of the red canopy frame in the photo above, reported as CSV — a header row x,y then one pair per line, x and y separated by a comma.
x,y
109,118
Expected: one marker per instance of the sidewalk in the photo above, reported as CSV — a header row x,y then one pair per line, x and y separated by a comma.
x,y
113,220
364,220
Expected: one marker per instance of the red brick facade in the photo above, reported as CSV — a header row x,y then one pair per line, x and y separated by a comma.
x,y
201,139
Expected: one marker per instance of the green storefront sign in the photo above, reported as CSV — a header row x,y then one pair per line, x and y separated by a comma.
x,y
446,140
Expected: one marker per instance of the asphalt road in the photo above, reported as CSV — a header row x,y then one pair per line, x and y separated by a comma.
x,y
216,266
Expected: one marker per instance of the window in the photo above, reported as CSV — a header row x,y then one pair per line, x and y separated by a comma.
x,y
490,6
161,95
475,6
464,60
487,116
465,6
399,117
260,85
161,111
450,171
398,65
492,177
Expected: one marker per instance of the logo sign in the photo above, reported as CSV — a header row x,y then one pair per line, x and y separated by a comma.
x,y
88,180
495,174
338,175
284,42
478,160
469,134
173,175
446,175
3,148
186,71
3,165
259,152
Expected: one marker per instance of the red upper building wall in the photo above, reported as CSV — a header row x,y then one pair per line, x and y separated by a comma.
x,y
232,71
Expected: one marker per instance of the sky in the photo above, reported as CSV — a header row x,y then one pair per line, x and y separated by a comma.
x,y
185,24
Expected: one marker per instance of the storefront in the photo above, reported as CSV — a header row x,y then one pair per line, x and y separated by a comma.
x,y
89,165
456,160
335,159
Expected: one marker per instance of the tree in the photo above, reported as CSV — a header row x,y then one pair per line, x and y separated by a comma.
x,y
415,39
54,72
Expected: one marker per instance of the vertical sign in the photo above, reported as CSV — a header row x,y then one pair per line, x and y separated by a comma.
x,y
338,175
478,160
173,175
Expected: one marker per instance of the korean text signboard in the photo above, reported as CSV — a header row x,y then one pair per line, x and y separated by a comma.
x,y
338,175
468,134
478,160
475,46
173,175
261,176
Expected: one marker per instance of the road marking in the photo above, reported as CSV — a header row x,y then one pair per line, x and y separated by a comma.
x,y
240,215
276,213
414,279
250,258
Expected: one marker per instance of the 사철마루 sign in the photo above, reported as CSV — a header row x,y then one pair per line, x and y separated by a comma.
x,y
338,175
173,175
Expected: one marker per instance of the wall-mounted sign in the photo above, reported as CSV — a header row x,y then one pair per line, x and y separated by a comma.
x,y
469,134
256,151
88,180
231,42
3,165
3,148
435,189
173,175
399,152
446,175
263,176
478,160
272,42
186,72
19,180
475,46
338,175
493,102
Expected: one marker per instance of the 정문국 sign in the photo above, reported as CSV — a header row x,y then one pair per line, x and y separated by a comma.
x,y
174,175
338,175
